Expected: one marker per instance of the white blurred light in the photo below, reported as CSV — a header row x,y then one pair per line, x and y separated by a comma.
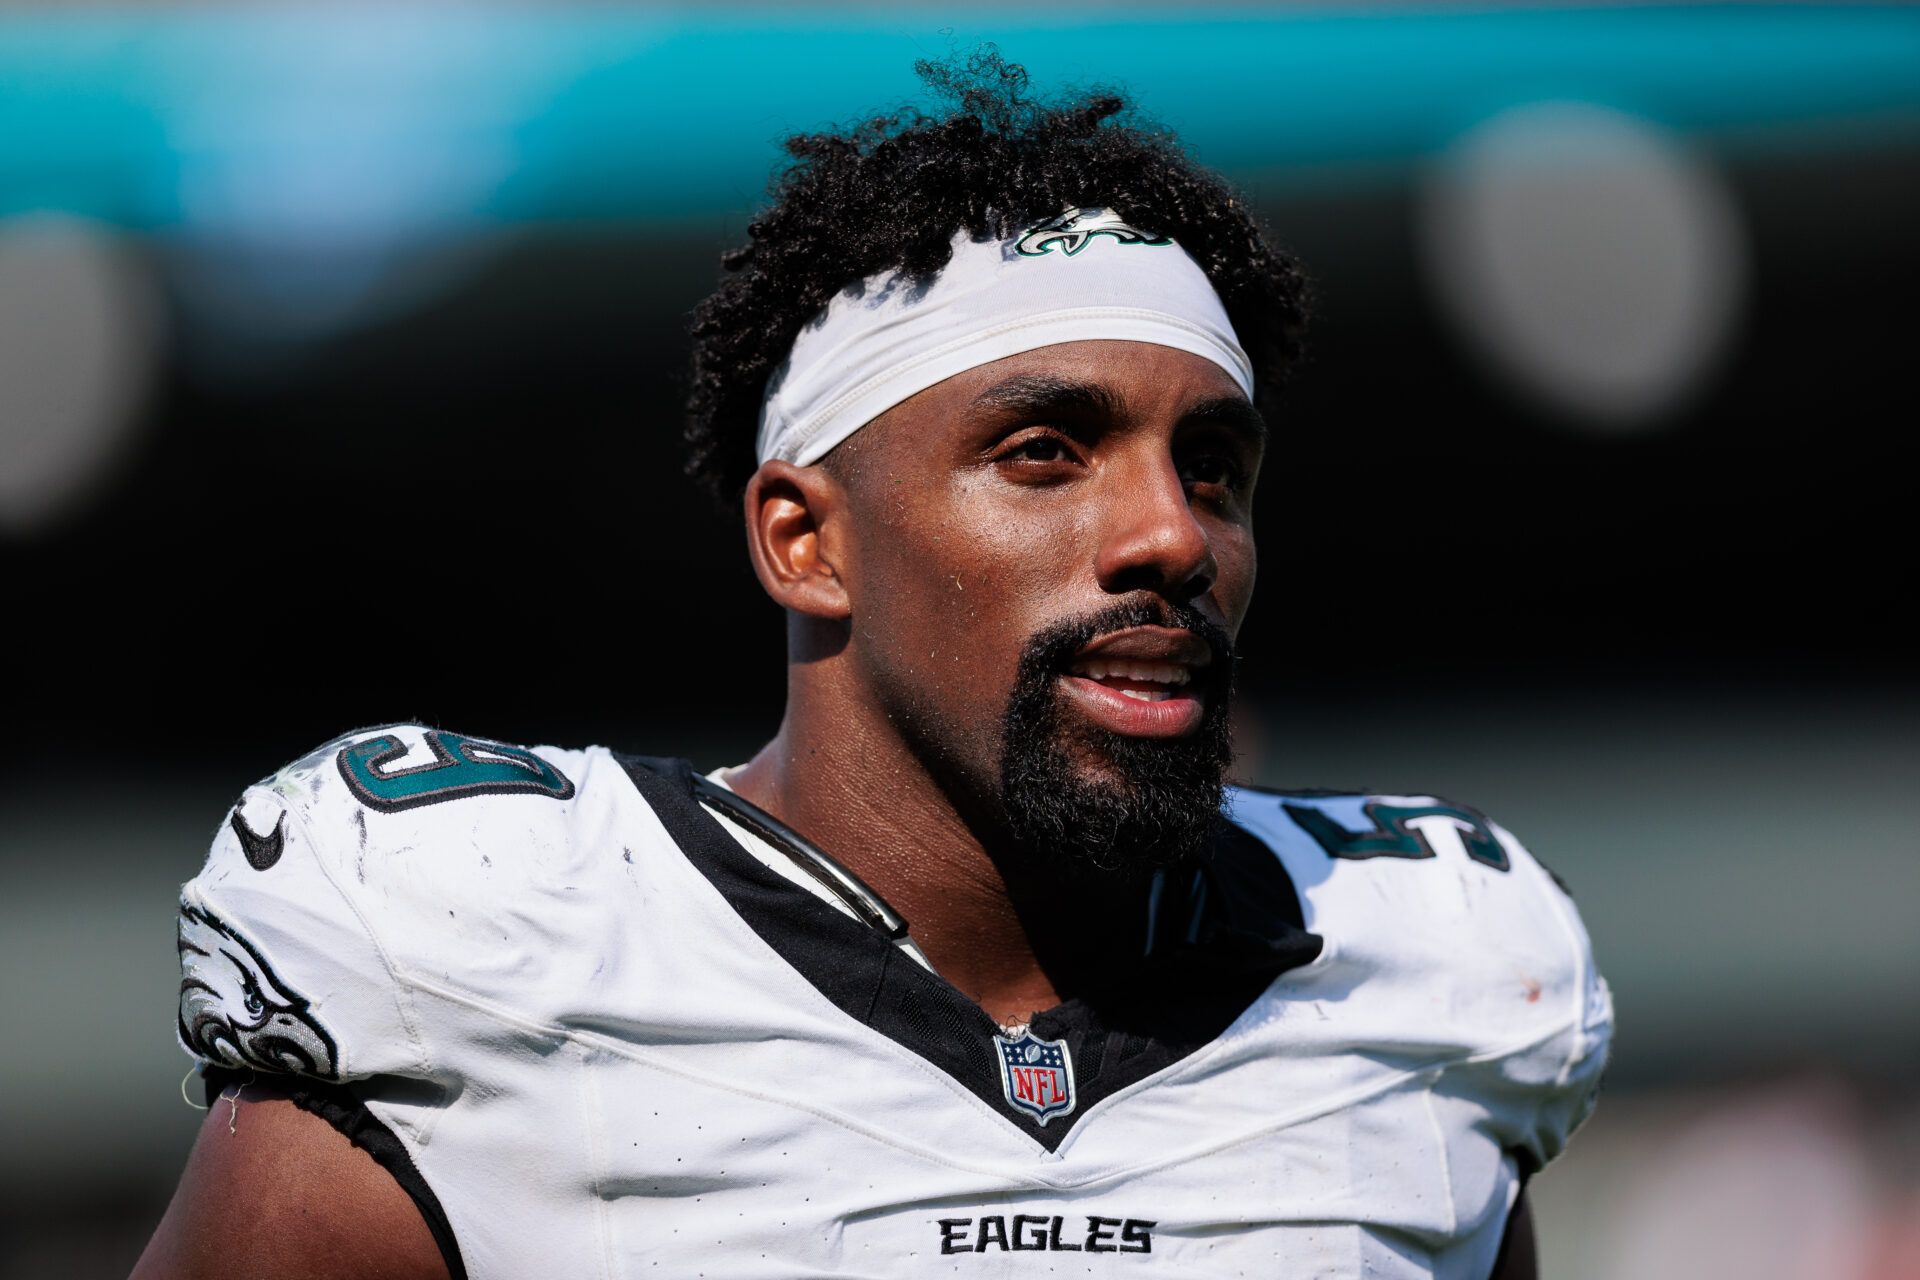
x,y
79,346
1588,258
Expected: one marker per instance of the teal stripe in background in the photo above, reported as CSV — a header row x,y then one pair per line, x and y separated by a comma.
x,y
357,121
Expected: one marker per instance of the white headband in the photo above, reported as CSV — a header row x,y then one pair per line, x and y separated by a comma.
x,y
1085,274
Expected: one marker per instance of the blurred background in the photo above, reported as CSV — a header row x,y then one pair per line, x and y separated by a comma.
x,y
339,361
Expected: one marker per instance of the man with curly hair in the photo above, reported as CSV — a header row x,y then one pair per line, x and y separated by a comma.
x,y
978,966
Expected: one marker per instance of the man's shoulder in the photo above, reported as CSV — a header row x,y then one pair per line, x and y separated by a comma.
x,y
1447,947
1419,891
383,808
1322,829
424,854
417,775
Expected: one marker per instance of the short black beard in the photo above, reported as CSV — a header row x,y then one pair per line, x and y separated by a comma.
x,y
1160,803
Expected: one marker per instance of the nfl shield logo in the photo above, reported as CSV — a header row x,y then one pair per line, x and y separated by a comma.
x,y
1037,1075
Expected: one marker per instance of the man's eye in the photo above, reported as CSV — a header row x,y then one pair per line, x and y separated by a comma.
x,y
1038,449
1213,470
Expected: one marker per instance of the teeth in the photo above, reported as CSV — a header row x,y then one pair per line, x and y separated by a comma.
x,y
1167,673
1142,695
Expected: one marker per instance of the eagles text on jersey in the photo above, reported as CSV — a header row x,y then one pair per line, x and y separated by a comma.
x,y
595,1033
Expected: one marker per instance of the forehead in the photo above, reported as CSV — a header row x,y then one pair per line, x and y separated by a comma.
x,y
1150,381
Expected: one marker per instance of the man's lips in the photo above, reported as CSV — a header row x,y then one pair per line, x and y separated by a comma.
x,y
1149,644
1141,682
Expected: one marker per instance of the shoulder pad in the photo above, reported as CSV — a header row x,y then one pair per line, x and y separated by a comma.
x,y
382,855
1470,949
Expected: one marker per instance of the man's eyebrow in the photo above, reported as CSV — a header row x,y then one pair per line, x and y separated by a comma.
x,y
1231,412
1040,393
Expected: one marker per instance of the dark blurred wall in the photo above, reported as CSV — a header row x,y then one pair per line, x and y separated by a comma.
x,y
474,513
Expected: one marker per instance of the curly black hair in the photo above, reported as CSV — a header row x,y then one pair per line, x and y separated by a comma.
x,y
890,193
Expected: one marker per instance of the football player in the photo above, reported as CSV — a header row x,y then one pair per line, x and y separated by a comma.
x,y
977,968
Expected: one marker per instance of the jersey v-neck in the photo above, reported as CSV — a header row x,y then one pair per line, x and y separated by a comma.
x,y
1217,936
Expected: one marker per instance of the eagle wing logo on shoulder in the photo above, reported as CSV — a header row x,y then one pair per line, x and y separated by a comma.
x,y
1075,229
235,1011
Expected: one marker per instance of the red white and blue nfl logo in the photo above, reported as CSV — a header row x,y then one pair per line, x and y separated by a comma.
x,y
1036,1074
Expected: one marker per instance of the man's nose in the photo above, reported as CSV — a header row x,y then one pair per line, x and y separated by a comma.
x,y
1152,540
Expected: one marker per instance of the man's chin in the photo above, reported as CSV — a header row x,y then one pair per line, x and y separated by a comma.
x,y
1095,780
1111,767
1103,802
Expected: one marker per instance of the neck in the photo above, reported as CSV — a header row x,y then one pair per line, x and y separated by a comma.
x,y
854,787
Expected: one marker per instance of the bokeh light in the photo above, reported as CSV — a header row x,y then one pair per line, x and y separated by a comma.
x,y
1588,257
80,346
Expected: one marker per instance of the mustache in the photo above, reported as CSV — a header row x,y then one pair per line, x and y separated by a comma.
x,y
1054,646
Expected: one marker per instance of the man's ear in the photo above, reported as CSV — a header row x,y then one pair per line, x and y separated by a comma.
x,y
794,535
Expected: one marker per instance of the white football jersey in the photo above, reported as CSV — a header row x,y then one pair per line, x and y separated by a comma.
x,y
599,1037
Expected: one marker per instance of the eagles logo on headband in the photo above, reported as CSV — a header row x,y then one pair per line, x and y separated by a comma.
x,y
1074,229
1071,278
